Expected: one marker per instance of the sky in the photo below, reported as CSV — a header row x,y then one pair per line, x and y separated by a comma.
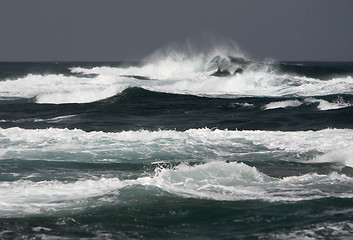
x,y
125,30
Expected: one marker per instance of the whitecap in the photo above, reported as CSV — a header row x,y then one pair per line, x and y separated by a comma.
x,y
27,197
175,72
167,145
325,105
283,104
216,180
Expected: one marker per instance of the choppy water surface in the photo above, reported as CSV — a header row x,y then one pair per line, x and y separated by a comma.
x,y
208,147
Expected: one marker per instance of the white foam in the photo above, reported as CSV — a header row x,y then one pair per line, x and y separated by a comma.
x,y
61,89
27,197
174,71
188,59
247,105
283,104
238,181
184,70
98,146
197,144
189,76
325,105
215,180
342,156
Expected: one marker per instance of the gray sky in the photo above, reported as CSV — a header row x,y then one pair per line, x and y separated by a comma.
x,y
63,30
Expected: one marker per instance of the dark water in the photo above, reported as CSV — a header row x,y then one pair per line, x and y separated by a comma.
x,y
165,150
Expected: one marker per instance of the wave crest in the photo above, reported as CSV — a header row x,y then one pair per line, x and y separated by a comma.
x,y
215,71
216,180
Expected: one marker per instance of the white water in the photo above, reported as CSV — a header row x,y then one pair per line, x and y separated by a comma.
x,y
61,89
215,180
254,81
322,105
27,197
172,72
212,178
325,105
283,104
193,144
238,181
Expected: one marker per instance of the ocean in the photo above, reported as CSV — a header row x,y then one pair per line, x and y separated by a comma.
x,y
178,147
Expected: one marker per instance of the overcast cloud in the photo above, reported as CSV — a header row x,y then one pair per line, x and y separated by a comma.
x,y
98,30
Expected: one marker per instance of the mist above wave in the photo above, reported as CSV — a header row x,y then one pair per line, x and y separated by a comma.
x,y
220,71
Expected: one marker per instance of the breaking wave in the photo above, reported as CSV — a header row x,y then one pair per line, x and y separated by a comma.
x,y
215,180
219,72
328,145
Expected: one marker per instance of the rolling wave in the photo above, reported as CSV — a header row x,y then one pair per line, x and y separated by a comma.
x,y
174,144
330,145
193,75
215,180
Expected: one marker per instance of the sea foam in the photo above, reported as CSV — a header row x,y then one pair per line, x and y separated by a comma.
x,y
325,105
27,197
283,104
217,180
174,72
322,105
169,145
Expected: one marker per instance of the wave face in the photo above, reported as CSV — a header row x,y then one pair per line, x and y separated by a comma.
x,y
204,144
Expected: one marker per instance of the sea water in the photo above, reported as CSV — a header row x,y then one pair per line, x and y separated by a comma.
x,y
164,149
